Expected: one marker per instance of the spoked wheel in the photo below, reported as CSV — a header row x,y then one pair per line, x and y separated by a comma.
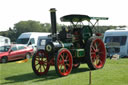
x,y
96,53
40,63
63,62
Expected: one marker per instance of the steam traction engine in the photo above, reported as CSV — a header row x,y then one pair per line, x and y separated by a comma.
x,y
71,46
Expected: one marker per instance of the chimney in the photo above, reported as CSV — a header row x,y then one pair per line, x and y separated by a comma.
x,y
53,20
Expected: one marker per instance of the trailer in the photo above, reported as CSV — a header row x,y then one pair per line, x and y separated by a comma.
x,y
4,41
72,46
116,42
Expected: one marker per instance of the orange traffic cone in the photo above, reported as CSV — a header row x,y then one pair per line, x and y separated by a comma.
x,y
22,61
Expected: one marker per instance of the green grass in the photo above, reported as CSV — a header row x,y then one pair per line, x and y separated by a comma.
x,y
113,73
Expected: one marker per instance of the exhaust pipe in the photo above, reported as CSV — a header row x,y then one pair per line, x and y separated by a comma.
x,y
53,20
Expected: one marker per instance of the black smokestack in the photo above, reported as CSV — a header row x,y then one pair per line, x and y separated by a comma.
x,y
53,20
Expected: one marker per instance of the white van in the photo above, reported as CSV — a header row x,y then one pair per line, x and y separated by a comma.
x,y
4,41
116,42
30,38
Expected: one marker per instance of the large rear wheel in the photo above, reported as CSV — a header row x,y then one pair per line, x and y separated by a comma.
x,y
63,62
95,53
40,64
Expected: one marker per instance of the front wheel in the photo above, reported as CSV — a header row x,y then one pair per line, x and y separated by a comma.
x,y
27,56
40,64
95,53
4,59
63,62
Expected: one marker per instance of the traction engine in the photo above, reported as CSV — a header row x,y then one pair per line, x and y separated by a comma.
x,y
71,46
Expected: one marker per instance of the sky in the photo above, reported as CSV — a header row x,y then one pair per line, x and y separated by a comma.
x,y
14,11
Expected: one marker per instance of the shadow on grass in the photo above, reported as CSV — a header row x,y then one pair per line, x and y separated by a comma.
x,y
34,78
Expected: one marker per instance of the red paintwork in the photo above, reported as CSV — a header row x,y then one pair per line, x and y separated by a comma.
x,y
64,63
41,62
98,53
18,54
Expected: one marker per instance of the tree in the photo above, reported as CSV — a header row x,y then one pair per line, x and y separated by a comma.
x,y
46,27
27,26
30,26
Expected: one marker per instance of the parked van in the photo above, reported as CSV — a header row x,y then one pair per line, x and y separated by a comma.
x,y
116,41
30,38
4,41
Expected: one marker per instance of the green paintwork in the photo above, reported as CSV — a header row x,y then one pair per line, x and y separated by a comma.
x,y
99,18
74,18
86,32
80,18
78,52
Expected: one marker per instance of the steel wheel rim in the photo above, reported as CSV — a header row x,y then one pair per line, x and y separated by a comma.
x,y
41,63
98,53
3,60
64,62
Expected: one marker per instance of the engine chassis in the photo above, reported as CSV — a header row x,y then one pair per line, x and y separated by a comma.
x,y
71,46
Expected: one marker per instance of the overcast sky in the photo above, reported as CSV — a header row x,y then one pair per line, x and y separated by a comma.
x,y
13,11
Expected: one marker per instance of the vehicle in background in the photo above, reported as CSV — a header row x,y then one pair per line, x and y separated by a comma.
x,y
42,40
4,41
14,52
116,42
30,39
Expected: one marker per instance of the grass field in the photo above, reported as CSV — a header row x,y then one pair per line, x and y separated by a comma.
x,y
115,72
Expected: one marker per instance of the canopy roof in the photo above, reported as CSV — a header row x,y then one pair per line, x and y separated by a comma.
x,y
79,18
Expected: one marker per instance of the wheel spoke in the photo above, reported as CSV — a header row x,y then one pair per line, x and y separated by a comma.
x,y
93,48
95,45
66,57
60,62
93,54
68,65
39,68
62,57
96,60
41,58
93,60
100,61
45,61
65,70
61,66
36,64
44,66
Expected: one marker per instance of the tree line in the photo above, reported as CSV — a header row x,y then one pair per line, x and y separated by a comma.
x,y
36,26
